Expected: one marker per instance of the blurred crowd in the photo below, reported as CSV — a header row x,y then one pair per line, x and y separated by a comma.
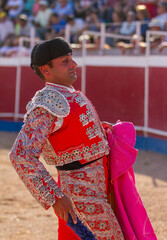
x,y
50,17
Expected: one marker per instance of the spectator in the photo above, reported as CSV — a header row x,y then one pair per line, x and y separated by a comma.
x,y
51,2
151,6
14,8
97,5
110,3
124,6
3,4
163,44
63,8
129,27
103,10
76,28
28,6
41,20
6,28
22,27
92,22
162,14
120,6
117,6
117,18
43,15
143,17
81,8
35,8
127,6
138,40
11,48
56,26
155,39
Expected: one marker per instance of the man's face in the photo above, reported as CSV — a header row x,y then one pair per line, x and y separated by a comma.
x,y
161,10
63,70
43,7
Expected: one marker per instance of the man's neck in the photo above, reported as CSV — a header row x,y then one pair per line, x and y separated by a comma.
x,y
71,89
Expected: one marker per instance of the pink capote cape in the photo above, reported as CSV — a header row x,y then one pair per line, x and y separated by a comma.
x,y
129,208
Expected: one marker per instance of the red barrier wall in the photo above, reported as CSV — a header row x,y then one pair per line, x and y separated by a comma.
x,y
158,98
7,88
116,91
30,83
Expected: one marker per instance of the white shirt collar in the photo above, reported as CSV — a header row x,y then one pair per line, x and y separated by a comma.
x,y
71,90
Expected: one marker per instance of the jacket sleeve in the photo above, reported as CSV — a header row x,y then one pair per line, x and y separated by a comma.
x,y
25,154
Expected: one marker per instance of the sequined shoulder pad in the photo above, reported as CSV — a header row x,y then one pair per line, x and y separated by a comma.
x,y
51,100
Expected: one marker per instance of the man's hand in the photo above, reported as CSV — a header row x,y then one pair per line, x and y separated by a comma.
x,y
63,207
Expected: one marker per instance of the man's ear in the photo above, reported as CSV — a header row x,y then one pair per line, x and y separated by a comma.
x,y
45,70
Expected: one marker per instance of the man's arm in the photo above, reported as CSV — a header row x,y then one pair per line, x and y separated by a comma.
x,y
24,157
25,154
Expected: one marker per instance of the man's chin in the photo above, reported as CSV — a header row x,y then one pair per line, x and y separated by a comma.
x,y
74,78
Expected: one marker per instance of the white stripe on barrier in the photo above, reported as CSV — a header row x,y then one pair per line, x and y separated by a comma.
x,y
109,61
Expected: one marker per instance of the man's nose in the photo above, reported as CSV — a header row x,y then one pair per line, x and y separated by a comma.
x,y
73,63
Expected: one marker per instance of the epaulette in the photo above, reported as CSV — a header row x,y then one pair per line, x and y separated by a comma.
x,y
51,100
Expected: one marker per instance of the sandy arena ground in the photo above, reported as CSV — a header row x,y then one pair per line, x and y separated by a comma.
x,y
22,218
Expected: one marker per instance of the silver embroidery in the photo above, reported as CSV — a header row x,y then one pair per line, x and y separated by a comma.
x,y
51,100
25,158
80,100
76,155
89,115
84,119
92,209
86,153
93,132
69,96
82,152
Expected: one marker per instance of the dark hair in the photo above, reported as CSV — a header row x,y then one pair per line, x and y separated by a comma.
x,y
70,18
163,4
120,15
55,15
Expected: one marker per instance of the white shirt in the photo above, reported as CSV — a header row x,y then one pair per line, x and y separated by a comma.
x,y
128,28
66,10
15,12
78,26
42,17
6,28
72,89
162,19
85,3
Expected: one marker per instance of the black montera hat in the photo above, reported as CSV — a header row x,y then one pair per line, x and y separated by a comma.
x,y
45,51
